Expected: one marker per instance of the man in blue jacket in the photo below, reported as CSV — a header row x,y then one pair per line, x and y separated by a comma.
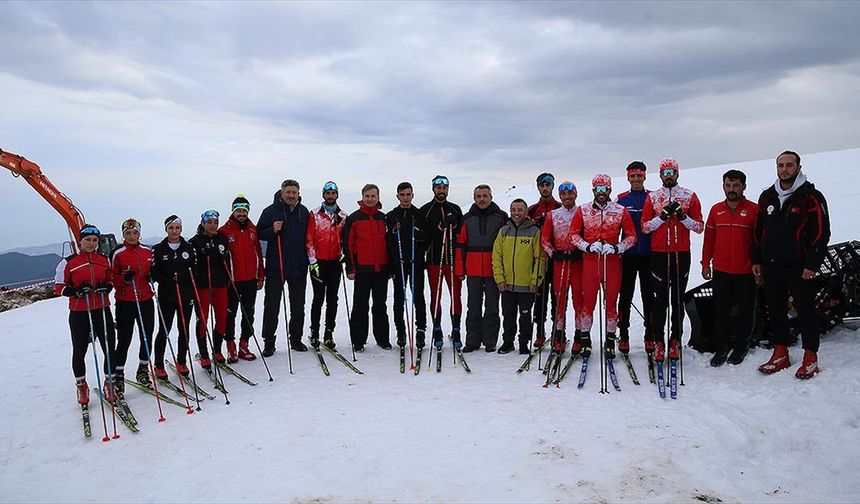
x,y
283,225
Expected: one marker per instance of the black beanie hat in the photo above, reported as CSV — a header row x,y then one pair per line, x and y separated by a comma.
x,y
637,165
240,202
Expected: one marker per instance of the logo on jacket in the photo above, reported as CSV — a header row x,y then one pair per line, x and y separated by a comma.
x,y
185,255
743,213
795,210
220,248
525,241
770,209
231,238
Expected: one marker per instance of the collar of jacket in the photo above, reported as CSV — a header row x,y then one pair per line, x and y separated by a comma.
x,y
233,221
369,210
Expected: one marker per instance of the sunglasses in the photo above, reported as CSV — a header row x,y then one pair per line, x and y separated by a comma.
x,y
566,187
90,231
209,215
440,181
330,186
130,224
669,172
601,189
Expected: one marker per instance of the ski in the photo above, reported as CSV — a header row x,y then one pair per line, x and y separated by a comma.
x,y
151,391
343,360
463,361
549,362
651,376
583,372
402,359
123,404
630,370
243,378
85,418
551,368
528,361
319,357
612,376
164,382
199,390
673,378
566,368
438,360
418,361
661,383
120,412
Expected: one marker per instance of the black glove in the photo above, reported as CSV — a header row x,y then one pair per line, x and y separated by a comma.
x,y
104,288
450,220
128,276
680,213
557,255
669,210
337,219
540,220
83,290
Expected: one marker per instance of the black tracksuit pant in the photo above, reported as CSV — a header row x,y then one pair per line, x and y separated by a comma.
x,y
416,296
126,321
631,267
79,325
326,292
369,285
272,307
248,298
171,309
544,293
482,312
517,306
779,282
728,289
678,274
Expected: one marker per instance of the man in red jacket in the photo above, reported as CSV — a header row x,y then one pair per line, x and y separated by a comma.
x,y
538,214
366,251
728,237
246,276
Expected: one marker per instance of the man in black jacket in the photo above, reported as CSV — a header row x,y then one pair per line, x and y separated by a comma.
x,y
790,239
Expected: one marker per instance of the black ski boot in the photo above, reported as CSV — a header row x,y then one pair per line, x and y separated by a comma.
x,y
328,339
315,339
437,338
455,338
609,346
298,346
583,343
119,384
738,354
507,347
420,338
524,348
268,347
401,339
142,375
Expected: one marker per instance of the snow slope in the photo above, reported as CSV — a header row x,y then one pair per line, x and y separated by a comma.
x,y
491,436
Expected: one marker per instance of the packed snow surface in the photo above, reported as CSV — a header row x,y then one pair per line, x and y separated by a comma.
x,y
489,436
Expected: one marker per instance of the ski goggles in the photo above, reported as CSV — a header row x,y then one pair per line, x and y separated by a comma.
x,y
130,225
330,186
669,172
546,179
566,186
209,215
440,181
601,189
90,230
241,206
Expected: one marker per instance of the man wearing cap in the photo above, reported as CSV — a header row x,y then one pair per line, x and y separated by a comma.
x,y
636,260
212,279
247,274
443,220
538,213
130,264
283,225
791,235
565,264
474,259
322,240
670,213
595,230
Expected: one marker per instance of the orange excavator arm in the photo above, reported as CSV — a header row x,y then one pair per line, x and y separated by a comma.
x,y
22,167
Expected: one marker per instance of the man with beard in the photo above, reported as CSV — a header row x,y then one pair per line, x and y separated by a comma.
x,y
322,238
474,259
538,214
728,237
791,236
670,213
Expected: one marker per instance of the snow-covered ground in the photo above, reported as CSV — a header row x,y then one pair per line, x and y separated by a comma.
x,y
490,436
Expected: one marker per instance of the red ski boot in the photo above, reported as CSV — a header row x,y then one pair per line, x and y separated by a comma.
x,y
182,369
778,361
660,352
674,349
809,367
244,353
232,357
83,391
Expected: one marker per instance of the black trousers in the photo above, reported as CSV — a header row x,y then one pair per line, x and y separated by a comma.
x,y
272,307
416,296
728,289
171,309
517,307
79,326
369,285
248,298
482,312
326,292
779,282
544,292
670,271
126,320
631,267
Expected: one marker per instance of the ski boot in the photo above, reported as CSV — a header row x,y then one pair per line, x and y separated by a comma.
x,y
205,362
358,347
160,373
624,346
142,375
585,337
232,355
437,338
540,338
720,357
659,351
110,393
268,347
778,360
738,354
328,339
524,348
809,367
83,391
244,353
386,345
119,384
609,346
455,338
298,346
420,338
315,339
674,349
182,369
219,358
507,347
559,342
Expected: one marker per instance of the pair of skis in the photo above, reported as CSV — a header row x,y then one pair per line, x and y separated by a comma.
x,y
673,379
122,411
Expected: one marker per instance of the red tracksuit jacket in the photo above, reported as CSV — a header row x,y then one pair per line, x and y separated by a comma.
x,y
137,258
246,253
729,236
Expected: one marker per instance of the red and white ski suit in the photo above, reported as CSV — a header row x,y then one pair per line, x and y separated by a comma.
x,y
566,274
592,223
671,238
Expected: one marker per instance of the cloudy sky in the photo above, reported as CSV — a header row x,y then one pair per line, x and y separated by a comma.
x,y
146,109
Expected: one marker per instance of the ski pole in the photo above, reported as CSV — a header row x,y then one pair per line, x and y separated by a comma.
x,y
437,310
346,305
678,309
184,322
403,285
98,374
245,316
146,346
211,312
412,298
111,346
451,262
172,353
284,299
201,317
540,311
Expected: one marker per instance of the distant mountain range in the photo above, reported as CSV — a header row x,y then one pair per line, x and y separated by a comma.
x,y
57,248
16,267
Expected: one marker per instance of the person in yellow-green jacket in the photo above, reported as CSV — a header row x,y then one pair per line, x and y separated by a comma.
x,y
517,270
